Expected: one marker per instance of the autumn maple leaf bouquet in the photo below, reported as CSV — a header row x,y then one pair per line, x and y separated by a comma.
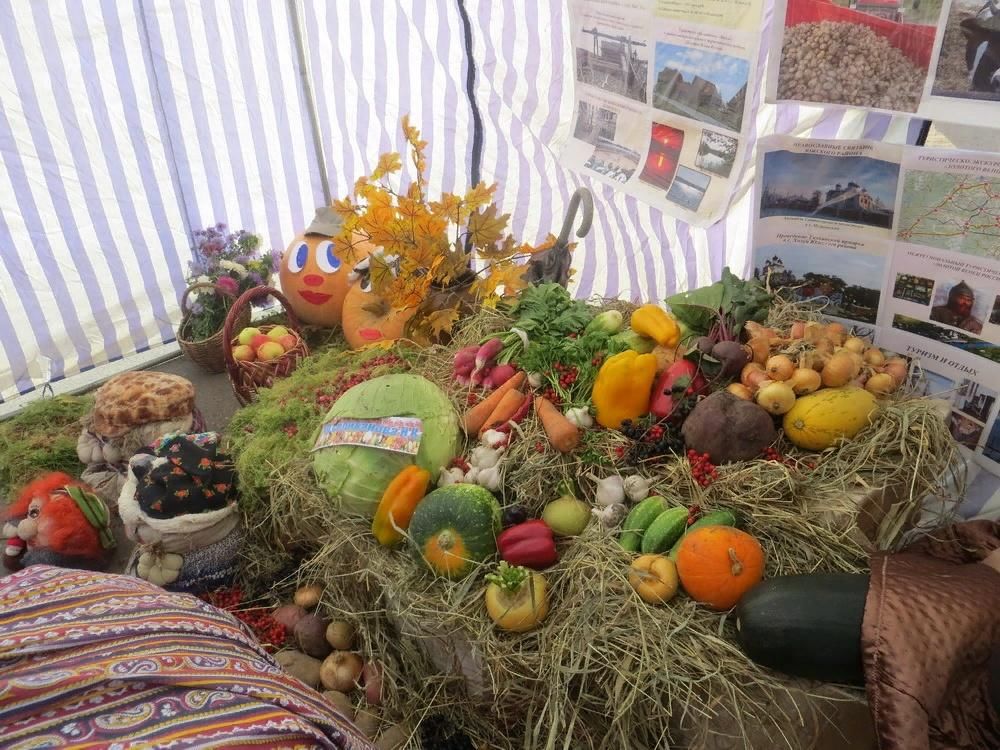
x,y
425,247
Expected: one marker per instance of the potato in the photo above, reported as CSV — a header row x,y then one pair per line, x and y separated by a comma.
x,y
368,722
310,635
300,666
394,737
288,615
308,597
340,635
728,428
340,701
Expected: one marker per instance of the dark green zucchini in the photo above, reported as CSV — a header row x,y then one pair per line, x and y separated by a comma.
x,y
806,626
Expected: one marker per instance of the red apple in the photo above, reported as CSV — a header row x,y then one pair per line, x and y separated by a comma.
x,y
288,341
244,353
259,340
247,334
269,350
277,332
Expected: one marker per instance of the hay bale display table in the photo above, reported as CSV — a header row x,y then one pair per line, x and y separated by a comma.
x,y
605,669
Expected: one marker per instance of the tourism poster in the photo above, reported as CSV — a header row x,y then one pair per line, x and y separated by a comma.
x,y
661,107
903,245
939,59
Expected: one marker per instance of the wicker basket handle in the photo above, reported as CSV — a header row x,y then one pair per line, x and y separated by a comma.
x,y
242,301
203,285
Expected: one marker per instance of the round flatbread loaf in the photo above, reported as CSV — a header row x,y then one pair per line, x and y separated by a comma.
x,y
137,398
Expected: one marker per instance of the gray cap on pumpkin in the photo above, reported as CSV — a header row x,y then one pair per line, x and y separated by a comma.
x,y
325,222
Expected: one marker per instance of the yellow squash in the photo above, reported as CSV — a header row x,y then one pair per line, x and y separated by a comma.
x,y
818,421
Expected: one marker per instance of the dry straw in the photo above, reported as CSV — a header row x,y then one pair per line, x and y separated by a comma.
x,y
607,670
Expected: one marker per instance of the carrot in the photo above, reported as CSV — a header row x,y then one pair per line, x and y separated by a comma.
x,y
563,434
476,417
507,408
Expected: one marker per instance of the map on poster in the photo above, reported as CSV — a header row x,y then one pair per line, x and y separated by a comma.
x,y
661,98
939,59
903,244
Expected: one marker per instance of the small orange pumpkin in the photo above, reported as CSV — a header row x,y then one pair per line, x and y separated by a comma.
x,y
368,319
315,279
717,565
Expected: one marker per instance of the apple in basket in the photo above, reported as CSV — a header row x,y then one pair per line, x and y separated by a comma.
x,y
247,334
259,340
277,332
244,353
288,341
270,350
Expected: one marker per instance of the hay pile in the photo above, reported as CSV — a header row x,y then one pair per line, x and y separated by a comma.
x,y
606,670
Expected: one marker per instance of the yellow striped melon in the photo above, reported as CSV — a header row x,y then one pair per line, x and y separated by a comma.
x,y
819,420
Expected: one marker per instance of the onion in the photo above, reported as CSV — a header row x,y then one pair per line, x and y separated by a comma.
x,y
308,597
804,380
748,370
780,367
740,391
854,344
881,383
340,635
874,357
776,397
760,349
898,369
341,670
838,371
835,332
798,329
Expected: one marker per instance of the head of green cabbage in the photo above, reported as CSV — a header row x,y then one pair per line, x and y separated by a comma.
x,y
356,476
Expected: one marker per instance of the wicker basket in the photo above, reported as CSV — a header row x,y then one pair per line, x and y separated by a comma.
x,y
207,352
248,377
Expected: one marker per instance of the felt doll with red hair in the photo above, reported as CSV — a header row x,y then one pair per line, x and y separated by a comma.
x,y
57,520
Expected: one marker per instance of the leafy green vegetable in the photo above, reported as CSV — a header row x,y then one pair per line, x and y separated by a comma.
x,y
730,302
545,310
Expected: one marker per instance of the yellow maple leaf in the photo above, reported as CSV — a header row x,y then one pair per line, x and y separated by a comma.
x,y
441,322
498,251
479,196
343,207
485,227
450,207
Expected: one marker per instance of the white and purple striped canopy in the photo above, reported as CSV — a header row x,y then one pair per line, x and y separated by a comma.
x,y
124,125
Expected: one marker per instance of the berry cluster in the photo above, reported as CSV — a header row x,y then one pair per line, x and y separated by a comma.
x,y
651,439
322,398
539,446
771,454
567,374
291,429
702,468
258,619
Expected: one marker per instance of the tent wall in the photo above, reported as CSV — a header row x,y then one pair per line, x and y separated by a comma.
x,y
123,125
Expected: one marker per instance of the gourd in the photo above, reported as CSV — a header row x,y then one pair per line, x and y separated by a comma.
x,y
315,280
717,565
454,529
806,626
819,420
368,319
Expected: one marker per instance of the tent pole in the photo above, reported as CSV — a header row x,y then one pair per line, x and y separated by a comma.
x,y
309,95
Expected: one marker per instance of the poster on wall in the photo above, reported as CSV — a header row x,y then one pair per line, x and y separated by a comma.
x,y
661,104
939,59
902,244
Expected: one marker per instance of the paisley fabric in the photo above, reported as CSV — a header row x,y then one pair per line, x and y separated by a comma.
x,y
92,660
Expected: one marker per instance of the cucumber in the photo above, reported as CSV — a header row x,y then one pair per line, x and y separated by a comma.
x,y
665,530
715,518
638,520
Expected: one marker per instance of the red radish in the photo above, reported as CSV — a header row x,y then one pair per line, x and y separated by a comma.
x,y
371,681
487,353
466,356
479,376
463,379
499,375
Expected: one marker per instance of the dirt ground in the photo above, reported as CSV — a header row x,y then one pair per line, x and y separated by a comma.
x,y
952,75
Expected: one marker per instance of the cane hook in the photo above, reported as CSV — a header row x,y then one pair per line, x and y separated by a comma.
x,y
584,195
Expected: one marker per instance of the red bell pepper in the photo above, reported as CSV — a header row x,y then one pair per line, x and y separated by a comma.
x,y
682,378
530,544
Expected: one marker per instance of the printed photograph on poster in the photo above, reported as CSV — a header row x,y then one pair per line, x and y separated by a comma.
x,y
851,53
599,126
663,155
611,60
969,63
995,312
916,289
959,305
951,211
688,188
965,431
992,448
853,189
850,283
706,86
716,153
931,384
948,336
975,400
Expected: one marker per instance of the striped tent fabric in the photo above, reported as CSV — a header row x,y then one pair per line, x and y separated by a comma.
x,y
125,125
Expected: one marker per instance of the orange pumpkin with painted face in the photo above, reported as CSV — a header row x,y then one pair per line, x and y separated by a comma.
x,y
369,319
313,277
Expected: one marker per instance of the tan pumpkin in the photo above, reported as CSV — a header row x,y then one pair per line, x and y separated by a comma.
x,y
315,279
368,319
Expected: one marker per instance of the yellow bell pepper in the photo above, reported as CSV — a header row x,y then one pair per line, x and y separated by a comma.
x,y
654,322
622,388
395,509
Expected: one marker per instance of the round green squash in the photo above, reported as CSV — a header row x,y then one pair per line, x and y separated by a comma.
x,y
455,528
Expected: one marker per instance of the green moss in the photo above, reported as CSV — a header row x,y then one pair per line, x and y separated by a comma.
x,y
41,438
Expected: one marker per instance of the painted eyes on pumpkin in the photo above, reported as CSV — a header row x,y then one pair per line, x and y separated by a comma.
x,y
297,258
326,259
